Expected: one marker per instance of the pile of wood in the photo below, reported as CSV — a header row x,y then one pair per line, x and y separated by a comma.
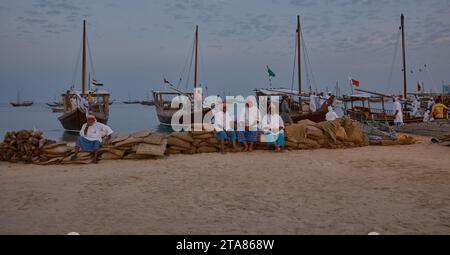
x,y
24,145
340,133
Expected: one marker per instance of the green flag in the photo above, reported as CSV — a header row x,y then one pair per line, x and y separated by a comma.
x,y
271,73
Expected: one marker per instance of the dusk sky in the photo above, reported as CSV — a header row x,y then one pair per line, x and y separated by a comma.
x,y
135,43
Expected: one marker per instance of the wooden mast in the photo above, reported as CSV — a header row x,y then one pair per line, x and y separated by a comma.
x,y
196,53
402,27
299,66
83,90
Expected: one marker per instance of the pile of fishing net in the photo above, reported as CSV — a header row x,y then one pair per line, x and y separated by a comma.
x,y
340,133
382,134
30,146
443,139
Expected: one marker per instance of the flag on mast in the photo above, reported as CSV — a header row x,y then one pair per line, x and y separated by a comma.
x,y
354,82
271,73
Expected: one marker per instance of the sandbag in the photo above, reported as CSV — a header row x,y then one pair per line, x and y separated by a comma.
x,y
154,138
141,134
119,138
61,149
204,135
184,136
151,149
137,156
206,149
341,135
130,140
175,141
314,132
108,155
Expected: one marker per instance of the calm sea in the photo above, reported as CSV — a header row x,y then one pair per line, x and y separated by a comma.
x,y
123,118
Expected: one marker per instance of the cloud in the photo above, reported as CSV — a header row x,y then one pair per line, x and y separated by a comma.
x,y
33,21
53,12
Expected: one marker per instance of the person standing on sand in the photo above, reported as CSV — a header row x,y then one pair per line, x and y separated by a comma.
x,y
248,125
285,110
223,123
273,129
398,121
92,134
438,110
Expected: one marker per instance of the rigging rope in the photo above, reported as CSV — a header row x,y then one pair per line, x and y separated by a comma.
x,y
393,60
184,69
307,59
190,65
90,59
295,60
74,79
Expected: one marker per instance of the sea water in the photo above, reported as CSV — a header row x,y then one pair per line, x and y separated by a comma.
x,y
123,118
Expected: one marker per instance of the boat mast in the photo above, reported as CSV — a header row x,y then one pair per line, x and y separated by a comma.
x,y
83,91
299,66
196,53
402,27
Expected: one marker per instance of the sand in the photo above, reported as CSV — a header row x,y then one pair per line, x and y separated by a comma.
x,y
390,190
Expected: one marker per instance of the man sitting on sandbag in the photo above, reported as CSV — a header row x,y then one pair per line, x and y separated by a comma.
x,y
92,134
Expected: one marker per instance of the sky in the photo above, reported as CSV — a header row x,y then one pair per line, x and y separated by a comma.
x,y
136,43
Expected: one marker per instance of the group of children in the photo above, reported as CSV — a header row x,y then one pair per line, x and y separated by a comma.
x,y
251,127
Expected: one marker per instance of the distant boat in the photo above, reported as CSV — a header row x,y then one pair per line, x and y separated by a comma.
x,y
57,108
147,102
54,104
76,105
20,103
132,101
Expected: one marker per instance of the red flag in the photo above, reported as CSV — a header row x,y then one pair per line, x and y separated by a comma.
x,y
355,83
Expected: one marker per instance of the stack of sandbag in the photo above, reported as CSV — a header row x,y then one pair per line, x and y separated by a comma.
x,y
24,145
340,133
192,142
139,145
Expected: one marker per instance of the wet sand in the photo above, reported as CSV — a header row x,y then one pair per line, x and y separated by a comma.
x,y
390,190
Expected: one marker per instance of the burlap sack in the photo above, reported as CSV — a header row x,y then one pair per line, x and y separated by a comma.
x,y
109,155
154,138
141,134
341,135
204,136
185,136
175,141
314,132
58,150
206,149
137,156
152,149
129,141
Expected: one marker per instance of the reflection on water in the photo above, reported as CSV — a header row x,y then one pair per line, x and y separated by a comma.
x,y
123,118
69,136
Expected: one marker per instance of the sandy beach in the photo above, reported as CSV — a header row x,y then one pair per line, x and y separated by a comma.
x,y
390,190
